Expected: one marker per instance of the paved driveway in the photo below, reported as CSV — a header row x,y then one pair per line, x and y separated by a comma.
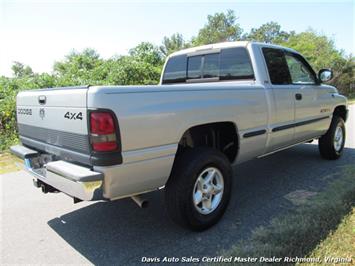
x,y
38,228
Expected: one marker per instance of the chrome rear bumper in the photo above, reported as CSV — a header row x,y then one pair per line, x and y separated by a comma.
x,y
76,181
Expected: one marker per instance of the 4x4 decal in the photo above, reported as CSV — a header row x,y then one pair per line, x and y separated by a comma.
x,y
73,116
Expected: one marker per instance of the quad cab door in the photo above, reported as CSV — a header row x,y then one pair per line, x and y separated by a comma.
x,y
310,120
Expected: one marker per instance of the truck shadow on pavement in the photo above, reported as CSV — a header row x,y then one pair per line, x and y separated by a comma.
x,y
120,233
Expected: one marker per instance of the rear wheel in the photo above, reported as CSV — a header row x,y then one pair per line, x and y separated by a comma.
x,y
331,144
198,189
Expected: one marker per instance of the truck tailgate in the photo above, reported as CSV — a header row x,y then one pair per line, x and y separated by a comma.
x,y
54,116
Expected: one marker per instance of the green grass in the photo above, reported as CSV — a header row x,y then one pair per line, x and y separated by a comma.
x,y
297,233
9,163
340,243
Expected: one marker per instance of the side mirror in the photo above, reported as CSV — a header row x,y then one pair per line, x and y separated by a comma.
x,y
325,74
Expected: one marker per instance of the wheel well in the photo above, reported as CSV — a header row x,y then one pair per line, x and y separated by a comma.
x,y
222,136
340,111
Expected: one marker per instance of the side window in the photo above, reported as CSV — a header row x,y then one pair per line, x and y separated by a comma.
x,y
194,67
299,71
277,66
235,64
175,70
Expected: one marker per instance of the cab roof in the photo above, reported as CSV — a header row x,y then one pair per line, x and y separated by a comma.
x,y
221,45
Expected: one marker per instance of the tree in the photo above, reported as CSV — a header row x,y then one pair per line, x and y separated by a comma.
x,y
269,32
20,70
79,68
321,52
173,43
142,66
344,78
78,61
220,27
148,53
127,70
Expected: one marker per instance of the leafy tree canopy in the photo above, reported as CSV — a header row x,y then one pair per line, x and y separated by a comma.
x,y
20,70
148,53
77,62
317,48
220,27
173,43
269,32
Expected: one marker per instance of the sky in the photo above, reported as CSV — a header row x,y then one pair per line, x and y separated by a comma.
x,y
38,33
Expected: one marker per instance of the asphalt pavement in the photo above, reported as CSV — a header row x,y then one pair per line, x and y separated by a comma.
x,y
39,228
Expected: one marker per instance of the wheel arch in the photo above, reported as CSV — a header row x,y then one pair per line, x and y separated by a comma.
x,y
341,111
221,135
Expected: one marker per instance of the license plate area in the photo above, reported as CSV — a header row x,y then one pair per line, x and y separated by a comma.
x,y
40,161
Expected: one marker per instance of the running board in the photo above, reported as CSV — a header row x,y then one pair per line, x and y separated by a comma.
x,y
284,148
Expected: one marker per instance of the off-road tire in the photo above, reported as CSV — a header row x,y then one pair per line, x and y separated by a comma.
x,y
326,142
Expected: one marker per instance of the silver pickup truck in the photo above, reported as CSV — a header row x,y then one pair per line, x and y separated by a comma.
x,y
216,106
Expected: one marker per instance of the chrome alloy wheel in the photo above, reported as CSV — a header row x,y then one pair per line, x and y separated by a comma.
x,y
208,190
338,138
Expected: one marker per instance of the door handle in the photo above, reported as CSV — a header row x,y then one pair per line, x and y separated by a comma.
x,y
298,96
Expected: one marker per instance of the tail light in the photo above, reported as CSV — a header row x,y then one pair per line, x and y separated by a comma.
x,y
103,131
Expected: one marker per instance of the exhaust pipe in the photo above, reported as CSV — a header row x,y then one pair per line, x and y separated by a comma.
x,y
76,200
141,202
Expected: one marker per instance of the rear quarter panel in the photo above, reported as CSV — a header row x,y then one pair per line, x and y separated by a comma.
x,y
154,116
152,120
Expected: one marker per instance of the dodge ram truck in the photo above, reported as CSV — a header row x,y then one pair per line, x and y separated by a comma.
x,y
216,106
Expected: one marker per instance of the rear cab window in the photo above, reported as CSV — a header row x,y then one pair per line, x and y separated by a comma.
x,y
194,67
211,66
235,64
226,64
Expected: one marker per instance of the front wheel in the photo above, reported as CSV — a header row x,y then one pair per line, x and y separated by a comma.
x,y
198,190
331,144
